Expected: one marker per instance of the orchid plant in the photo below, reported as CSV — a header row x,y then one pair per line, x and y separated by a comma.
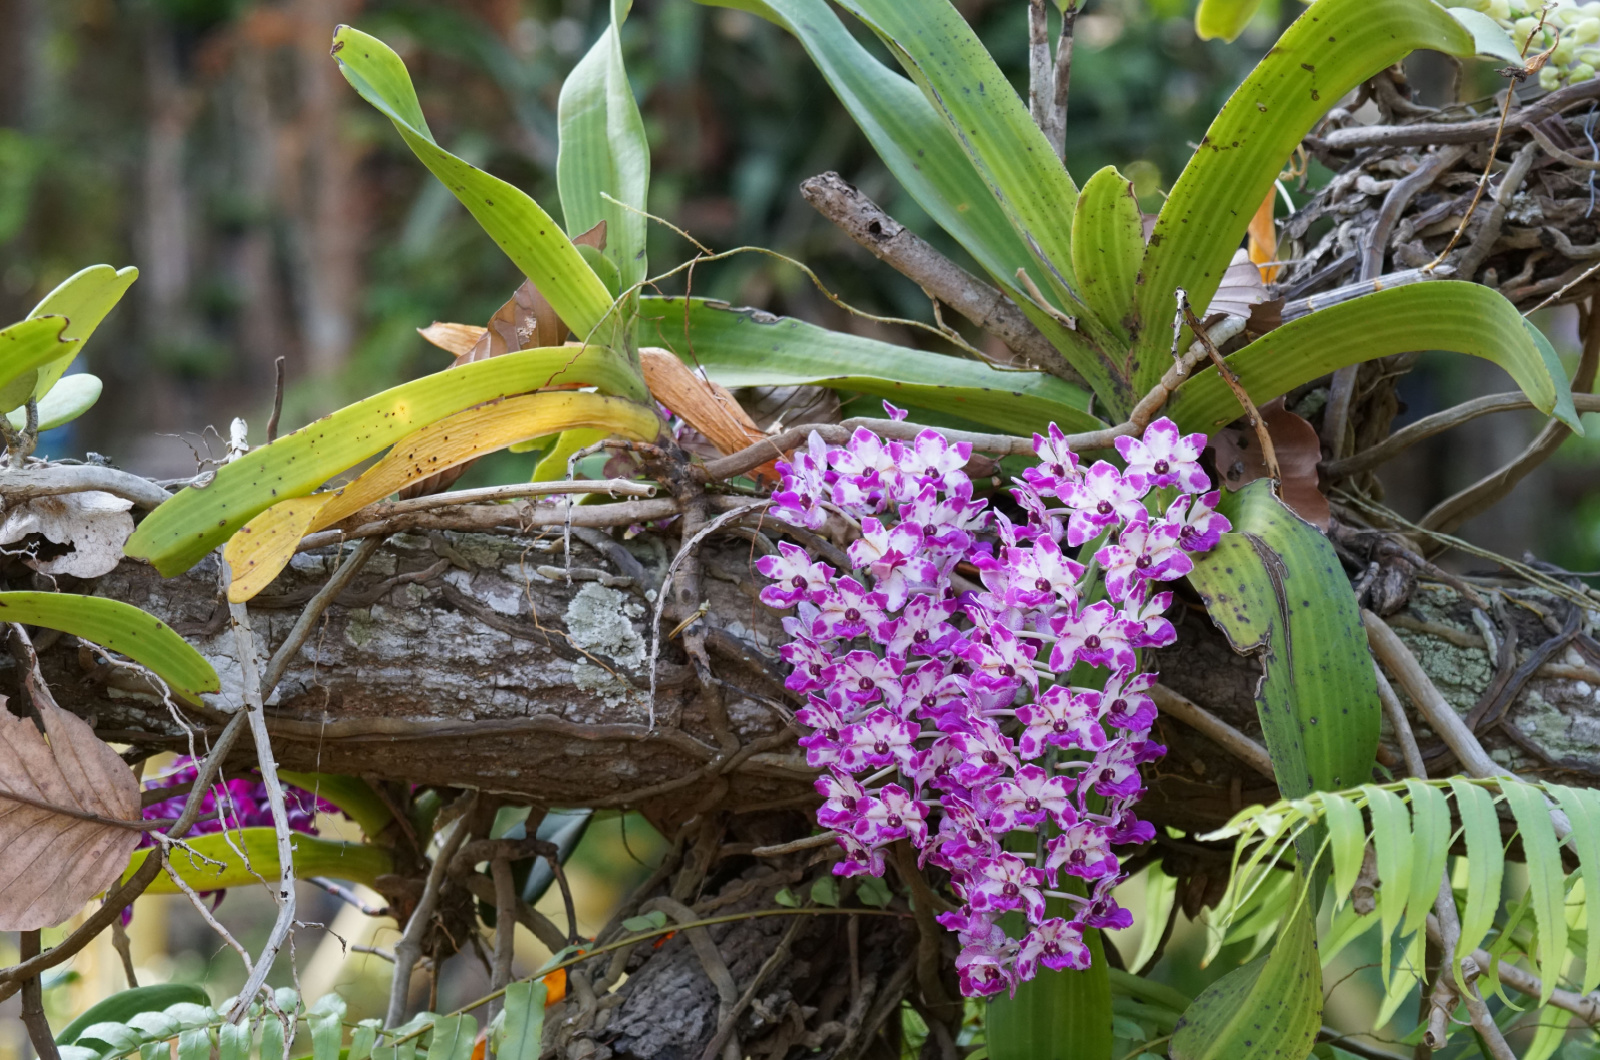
x,y
960,717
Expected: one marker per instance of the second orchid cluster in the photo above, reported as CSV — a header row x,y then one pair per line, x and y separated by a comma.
x,y
998,727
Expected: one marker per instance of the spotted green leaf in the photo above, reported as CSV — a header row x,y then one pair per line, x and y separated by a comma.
x,y
1269,1009
181,531
1331,48
121,627
1107,245
529,236
1279,593
1438,315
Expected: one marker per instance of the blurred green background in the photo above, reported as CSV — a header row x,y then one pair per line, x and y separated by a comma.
x,y
213,144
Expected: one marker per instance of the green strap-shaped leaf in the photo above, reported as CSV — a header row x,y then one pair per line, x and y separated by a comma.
x,y
1439,315
180,532
1056,1015
524,1021
747,347
1224,18
84,298
936,46
1347,839
122,1006
1160,894
1546,878
916,145
353,796
604,150
1271,1009
67,400
1391,838
25,348
121,627
1348,925
528,235
1485,862
1552,1032
1107,245
356,862
1430,835
1277,589
452,1038
1331,48
1582,807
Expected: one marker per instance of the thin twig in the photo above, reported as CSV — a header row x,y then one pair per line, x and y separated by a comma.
x,y
1041,76
346,895
797,845
909,254
277,402
1269,452
33,1017
1483,1022
1069,20
1451,512
206,915
254,709
409,948
505,923
725,1029
120,943
1392,652
1429,426
1402,727
1214,728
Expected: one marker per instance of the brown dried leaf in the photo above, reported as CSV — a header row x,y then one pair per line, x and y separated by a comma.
x,y
706,406
454,339
1239,461
51,862
1241,288
778,407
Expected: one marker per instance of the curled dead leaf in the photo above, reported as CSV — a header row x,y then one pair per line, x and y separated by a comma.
x,y
92,525
58,790
1239,461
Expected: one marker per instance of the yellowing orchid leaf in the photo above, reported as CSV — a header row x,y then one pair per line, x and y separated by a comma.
x,y
263,547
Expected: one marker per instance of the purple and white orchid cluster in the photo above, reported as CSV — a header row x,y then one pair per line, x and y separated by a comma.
x,y
953,716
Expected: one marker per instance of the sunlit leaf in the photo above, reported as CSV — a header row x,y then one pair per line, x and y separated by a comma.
x,y
67,400
521,227
1331,48
1268,1010
356,862
1438,315
1391,838
121,627
1546,878
84,298
1430,831
524,1021
1108,243
352,796
1224,18
1347,841
1582,807
1485,862
264,546
603,151
180,532
26,347
1407,974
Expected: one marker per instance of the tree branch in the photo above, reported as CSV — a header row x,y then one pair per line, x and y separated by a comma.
x,y
891,242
